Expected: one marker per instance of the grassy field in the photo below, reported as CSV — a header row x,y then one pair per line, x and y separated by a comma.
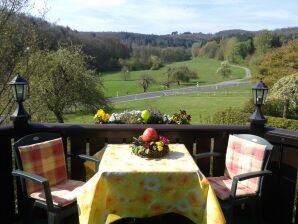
x,y
114,85
201,106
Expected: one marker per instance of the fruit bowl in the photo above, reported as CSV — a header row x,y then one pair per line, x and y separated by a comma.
x,y
150,145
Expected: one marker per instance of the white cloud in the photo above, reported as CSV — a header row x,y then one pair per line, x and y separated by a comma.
x,y
162,16
91,4
274,14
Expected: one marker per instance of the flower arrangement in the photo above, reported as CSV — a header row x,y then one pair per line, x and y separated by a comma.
x,y
101,117
141,117
150,145
126,117
180,118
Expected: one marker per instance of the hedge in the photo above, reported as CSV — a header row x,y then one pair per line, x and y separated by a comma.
x,y
238,117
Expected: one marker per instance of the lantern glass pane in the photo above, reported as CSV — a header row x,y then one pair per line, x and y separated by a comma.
x,y
26,92
14,92
254,92
259,96
20,92
265,96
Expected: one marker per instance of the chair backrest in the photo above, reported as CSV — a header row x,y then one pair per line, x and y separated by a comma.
x,y
247,153
41,154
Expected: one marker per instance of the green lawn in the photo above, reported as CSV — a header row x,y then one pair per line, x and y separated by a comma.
x,y
201,106
114,85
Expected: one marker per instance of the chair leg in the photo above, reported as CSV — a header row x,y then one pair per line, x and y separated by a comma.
x,y
229,215
27,211
53,218
131,221
255,211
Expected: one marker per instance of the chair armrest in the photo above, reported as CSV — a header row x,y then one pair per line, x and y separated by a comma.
x,y
30,176
40,180
246,176
208,154
87,158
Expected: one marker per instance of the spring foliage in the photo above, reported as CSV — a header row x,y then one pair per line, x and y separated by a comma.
x,y
286,90
61,80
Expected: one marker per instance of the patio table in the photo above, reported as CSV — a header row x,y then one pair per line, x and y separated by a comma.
x,y
130,186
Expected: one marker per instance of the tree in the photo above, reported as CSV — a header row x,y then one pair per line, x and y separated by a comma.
x,y
280,62
231,52
125,73
286,90
263,42
145,81
181,74
195,48
155,62
61,80
173,54
209,49
16,34
224,70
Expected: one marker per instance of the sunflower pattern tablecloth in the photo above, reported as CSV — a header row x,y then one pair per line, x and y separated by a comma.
x,y
130,186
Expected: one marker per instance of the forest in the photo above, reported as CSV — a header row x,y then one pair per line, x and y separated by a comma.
x,y
51,56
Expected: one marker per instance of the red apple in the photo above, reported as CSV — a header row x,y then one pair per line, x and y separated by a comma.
x,y
149,135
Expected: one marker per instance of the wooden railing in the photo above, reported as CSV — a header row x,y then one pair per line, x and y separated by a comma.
x,y
278,199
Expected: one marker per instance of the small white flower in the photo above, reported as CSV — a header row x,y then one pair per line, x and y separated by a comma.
x,y
152,183
183,205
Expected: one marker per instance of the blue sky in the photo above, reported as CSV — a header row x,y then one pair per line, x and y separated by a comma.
x,y
166,16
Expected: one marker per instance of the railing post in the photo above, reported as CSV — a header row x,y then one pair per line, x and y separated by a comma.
x,y
257,122
20,119
257,129
20,125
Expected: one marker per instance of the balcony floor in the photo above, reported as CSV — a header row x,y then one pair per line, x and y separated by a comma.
x,y
241,217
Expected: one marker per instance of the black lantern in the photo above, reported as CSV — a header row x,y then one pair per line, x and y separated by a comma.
x,y
20,91
259,92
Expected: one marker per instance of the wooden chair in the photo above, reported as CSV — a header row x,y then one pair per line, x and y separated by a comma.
x,y
41,167
246,163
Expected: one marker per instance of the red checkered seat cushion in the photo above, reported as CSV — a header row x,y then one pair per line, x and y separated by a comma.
x,y
63,193
242,156
47,159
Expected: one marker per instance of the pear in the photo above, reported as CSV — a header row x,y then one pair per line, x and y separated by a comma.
x,y
145,115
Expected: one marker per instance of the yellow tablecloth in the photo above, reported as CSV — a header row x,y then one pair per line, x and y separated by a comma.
x,y
130,186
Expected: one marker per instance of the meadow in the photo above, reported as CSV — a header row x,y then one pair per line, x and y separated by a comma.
x,y
114,85
201,106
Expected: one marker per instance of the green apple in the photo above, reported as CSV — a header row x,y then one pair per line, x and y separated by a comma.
x,y
145,115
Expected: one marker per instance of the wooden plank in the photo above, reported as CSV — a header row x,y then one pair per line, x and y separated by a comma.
x,y
78,146
7,207
115,140
288,173
220,145
189,143
95,144
203,144
285,201
296,217
278,201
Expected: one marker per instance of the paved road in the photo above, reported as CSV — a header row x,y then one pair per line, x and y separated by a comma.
x,y
194,89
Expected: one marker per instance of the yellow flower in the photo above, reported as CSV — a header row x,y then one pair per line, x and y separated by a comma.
x,y
159,148
102,116
100,113
106,117
159,143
